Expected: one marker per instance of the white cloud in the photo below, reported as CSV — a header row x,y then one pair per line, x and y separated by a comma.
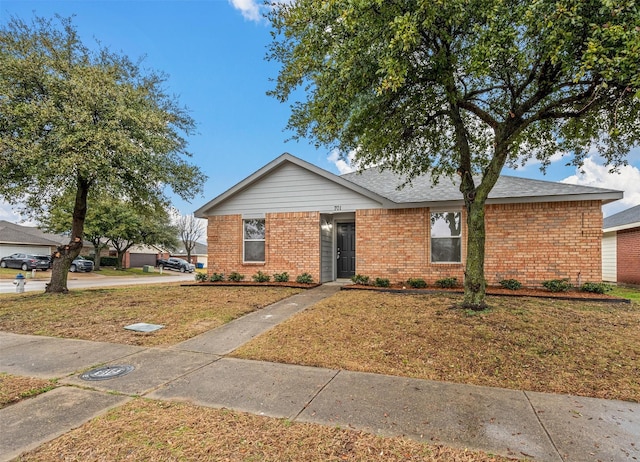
x,y
9,213
344,166
250,9
627,179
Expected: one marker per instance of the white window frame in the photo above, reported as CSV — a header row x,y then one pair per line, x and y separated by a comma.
x,y
432,238
245,240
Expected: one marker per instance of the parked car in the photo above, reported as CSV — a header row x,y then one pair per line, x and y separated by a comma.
x,y
81,265
26,262
177,264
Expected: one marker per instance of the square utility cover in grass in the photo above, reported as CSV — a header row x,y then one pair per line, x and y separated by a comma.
x,y
101,314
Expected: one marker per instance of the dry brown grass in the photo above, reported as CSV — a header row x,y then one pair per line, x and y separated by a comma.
x,y
101,314
14,388
160,431
577,347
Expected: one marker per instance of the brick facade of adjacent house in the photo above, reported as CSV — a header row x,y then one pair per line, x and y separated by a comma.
x,y
530,242
628,251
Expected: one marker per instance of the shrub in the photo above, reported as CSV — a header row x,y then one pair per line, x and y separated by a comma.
x,y
382,282
236,277
417,283
281,277
108,261
511,284
261,277
217,277
596,287
360,279
201,277
557,285
304,278
447,283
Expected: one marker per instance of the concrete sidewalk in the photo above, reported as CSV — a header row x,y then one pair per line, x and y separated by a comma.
x,y
513,423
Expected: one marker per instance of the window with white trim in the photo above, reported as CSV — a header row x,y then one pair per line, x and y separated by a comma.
x,y
254,239
446,237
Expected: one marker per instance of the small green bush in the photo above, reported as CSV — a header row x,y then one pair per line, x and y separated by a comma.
x,y
447,283
108,261
304,278
281,277
216,277
261,277
360,279
417,283
201,277
596,287
236,277
511,284
382,282
557,285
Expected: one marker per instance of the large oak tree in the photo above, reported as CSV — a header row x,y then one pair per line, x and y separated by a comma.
x,y
462,87
76,120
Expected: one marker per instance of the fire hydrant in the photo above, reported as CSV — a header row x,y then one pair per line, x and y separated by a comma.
x,y
20,282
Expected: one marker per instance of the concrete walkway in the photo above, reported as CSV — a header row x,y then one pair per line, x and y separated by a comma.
x,y
519,424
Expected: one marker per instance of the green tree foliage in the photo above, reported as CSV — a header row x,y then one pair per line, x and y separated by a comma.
x,y
74,120
462,87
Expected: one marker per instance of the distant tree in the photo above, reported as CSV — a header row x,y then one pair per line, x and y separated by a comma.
x,y
190,230
75,121
462,87
128,227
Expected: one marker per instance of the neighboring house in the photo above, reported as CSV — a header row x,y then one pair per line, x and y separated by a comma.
x,y
621,247
198,254
293,216
27,239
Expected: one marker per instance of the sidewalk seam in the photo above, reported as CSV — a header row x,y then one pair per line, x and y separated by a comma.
x,y
553,443
315,395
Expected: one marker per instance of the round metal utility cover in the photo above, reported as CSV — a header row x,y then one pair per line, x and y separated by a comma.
x,y
107,372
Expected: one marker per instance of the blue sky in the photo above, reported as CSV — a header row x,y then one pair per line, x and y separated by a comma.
x,y
213,52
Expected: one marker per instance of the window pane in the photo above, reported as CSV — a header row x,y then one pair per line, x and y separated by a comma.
x,y
254,229
445,224
254,251
445,250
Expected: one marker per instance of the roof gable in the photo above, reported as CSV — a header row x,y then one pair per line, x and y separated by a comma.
x,y
289,184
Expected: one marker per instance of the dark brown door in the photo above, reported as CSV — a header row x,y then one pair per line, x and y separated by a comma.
x,y
346,250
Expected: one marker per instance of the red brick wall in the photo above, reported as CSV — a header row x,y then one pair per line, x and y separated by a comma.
x,y
292,244
628,243
541,241
527,242
394,244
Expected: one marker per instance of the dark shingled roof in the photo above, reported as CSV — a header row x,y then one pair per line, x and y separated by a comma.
x,y
385,183
11,233
626,217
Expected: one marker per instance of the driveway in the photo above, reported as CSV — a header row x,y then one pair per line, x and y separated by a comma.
x,y
84,281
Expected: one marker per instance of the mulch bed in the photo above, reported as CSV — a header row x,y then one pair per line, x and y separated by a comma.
x,y
293,285
499,291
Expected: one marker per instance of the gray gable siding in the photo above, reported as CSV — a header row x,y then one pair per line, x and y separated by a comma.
x,y
291,188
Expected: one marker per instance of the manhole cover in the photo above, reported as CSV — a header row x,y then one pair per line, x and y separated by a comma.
x,y
107,372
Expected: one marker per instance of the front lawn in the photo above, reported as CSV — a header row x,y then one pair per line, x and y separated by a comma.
x,y
101,314
583,348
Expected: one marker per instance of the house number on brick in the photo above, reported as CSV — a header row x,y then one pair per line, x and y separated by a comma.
x,y
337,208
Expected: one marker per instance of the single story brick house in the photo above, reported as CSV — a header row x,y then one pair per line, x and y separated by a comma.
x,y
293,216
621,247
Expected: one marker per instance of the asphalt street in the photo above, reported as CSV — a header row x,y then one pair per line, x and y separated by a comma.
x,y
84,281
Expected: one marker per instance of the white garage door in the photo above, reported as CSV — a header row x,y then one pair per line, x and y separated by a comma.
x,y
609,257
34,249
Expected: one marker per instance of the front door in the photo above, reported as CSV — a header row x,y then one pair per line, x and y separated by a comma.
x,y
346,249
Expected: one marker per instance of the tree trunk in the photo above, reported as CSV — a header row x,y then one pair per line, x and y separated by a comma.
x,y
474,280
64,254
